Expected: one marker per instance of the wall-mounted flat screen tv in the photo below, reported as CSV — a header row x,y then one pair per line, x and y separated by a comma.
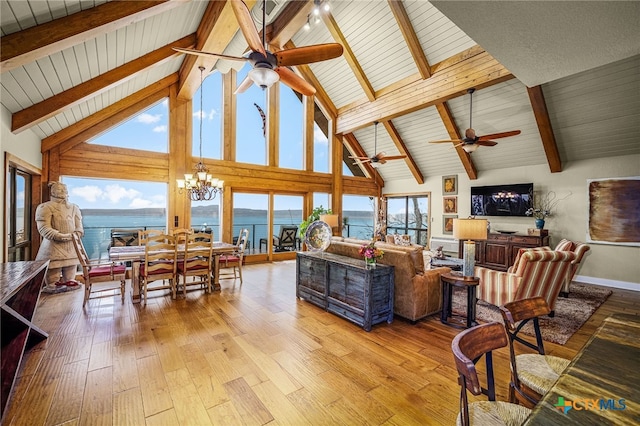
x,y
501,200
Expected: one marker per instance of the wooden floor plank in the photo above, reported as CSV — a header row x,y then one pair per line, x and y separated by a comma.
x,y
248,354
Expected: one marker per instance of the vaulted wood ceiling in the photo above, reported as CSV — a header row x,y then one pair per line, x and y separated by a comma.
x,y
70,66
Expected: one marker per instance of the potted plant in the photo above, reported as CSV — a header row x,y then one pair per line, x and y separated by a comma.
x,y
315,215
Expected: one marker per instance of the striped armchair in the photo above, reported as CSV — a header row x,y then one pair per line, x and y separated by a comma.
x,y
564,245
537,273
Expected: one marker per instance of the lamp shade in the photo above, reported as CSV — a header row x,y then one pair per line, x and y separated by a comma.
x,y
264,77
470,229
330,219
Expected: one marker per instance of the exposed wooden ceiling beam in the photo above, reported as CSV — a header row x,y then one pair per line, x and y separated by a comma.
x,y
216,29
95,119
356,150
454,133
397,140
479,71
37,113
33,43
544,127
410,37
288,22
348,54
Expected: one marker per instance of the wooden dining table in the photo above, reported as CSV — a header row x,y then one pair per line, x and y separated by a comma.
x,y
135,255
601,386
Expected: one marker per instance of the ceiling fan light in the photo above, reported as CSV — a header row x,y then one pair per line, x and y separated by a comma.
x,y
469,148
264,77
326,6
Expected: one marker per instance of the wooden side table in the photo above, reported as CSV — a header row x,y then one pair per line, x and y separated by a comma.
x,y
450,280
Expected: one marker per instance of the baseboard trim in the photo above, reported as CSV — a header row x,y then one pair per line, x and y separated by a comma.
x,y
625,285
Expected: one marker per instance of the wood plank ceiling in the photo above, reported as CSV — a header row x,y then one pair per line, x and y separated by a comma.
x,y
67,66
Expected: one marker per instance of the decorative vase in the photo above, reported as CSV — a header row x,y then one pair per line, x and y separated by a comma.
x,y
370,263
539,223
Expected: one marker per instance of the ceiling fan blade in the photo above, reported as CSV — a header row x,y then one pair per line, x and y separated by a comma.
x,y
308,54
292,80
500,135
395,157
247,26
447,141
246,83
380,155
381,161
358,158
202,53
486,143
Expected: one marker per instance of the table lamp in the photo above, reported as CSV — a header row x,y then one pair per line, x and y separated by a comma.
x,y
469,230
330,219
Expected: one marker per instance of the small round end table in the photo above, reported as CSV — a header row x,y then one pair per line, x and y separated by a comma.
x,y
450,280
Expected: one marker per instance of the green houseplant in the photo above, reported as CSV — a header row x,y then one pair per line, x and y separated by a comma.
x,y
315,215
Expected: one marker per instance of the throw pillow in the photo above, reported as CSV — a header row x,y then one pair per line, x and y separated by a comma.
x,y
402,240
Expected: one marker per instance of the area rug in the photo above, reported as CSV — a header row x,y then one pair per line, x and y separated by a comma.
x,y
571,312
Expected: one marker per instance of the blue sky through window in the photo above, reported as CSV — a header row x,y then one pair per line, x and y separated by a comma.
x,y
148,130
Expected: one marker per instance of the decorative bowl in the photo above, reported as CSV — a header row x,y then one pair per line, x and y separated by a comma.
x,y
318,236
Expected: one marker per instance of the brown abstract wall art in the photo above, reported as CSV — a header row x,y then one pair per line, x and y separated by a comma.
x,y
614,211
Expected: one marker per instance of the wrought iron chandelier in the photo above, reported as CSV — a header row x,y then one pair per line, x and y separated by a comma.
x,y
200,185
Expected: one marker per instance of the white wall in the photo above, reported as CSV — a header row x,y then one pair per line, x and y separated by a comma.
x,y
25,146
613,265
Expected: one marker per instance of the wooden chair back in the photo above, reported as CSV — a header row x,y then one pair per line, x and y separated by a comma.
x,y
151,236
196,261
160,263
468,347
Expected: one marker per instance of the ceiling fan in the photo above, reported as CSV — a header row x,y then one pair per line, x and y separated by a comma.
x,y
270,67
381,157
471,142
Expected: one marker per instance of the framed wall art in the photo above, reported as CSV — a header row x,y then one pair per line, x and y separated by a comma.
x,y
613,211
450,204
447,223
450,185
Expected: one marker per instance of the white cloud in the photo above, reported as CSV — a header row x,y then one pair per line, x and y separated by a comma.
x,y
199,114
212,114
145,118
155,201
20,197
160,129
90,193
114,193
318,136
165,102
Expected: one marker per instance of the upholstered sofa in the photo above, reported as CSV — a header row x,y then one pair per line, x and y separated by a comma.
x,y
418,292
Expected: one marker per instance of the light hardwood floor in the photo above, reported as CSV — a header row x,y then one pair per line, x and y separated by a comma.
x,y
251,354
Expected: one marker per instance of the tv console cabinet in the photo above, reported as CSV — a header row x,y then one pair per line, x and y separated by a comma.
x,y
345,287
499,251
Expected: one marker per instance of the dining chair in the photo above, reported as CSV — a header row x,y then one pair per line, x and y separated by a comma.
x,y
98,271
236,259
285,241
182,234
202,236
532,375
468,347
150,236
195,263
160,263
